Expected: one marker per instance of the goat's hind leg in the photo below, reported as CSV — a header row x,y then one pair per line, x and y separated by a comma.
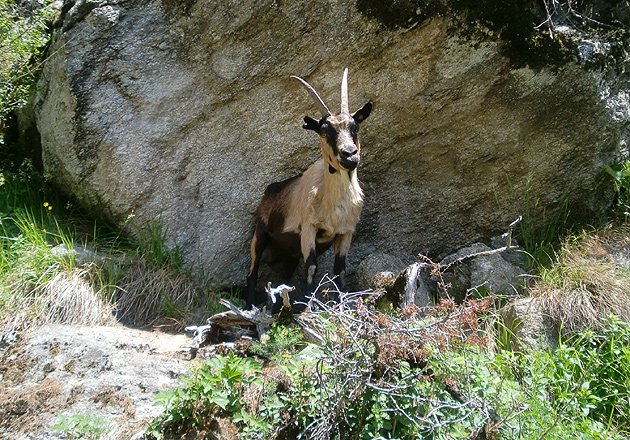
x,y
259,243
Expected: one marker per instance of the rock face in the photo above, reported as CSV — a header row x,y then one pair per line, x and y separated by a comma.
x,y
108,373
183,112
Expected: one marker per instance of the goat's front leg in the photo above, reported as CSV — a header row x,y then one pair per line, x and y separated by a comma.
x,y
342,247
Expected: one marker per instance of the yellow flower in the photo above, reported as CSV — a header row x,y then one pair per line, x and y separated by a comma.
x,y
50,208
44,230
45,204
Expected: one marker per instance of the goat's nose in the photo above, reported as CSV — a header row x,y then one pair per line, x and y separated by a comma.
x,y
349,151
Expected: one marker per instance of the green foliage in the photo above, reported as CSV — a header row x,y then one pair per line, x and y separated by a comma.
x,y
591,375
27,235
152,246
23,34
281,344
470,390
217,384
81,426
581,390
621,178
28,230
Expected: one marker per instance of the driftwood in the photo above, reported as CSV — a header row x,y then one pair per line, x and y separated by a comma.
x,y
236,317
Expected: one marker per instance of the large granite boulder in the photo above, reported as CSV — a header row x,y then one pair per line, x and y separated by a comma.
x,y
183,112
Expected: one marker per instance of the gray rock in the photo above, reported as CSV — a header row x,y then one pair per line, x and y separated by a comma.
x,y
373,265
527,326
184,111
515,255
484,272
80,254
110,373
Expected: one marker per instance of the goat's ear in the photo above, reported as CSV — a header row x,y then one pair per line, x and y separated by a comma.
x,y
310,124
362,114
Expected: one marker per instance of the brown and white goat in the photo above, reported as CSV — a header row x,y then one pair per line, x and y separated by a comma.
x,y
306,214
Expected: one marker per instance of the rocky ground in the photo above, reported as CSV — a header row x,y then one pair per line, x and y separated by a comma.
x,y
108,373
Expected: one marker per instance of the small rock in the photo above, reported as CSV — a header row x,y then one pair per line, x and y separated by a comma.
x,y
374,264
491,272
528,326
515,255
80,254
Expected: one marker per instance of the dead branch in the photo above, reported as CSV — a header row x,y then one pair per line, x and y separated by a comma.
x,y
507,247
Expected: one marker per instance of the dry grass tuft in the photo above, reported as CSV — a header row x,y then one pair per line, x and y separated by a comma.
x,y
140,296
589,281
145,294
70,298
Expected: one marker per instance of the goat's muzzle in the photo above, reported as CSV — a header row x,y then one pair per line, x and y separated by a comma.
x,y
349,157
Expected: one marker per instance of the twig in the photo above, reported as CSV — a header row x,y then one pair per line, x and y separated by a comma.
x,y
507,247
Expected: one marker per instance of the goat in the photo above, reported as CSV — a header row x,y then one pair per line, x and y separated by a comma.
x,y
306,214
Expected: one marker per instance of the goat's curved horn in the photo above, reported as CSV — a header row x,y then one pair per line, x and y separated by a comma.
x,y
344,92
320,103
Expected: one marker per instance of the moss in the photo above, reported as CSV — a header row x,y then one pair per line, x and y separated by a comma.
x,y
400,13
513,20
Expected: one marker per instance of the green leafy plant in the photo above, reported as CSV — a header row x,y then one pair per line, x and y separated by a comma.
x,y
82,426
216,385
281,344
621,179
592,375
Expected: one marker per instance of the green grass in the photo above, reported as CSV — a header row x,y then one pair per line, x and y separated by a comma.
x,y
143,278
542,232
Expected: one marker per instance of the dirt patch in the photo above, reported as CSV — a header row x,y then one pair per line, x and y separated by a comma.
x,y
111,396
20,409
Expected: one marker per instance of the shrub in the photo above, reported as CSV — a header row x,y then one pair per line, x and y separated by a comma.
x,y
23,34
216,385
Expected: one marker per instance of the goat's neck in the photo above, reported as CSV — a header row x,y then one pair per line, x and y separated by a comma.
x,y
342,186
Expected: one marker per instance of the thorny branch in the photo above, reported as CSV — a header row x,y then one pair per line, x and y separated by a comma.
x,y
371,345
